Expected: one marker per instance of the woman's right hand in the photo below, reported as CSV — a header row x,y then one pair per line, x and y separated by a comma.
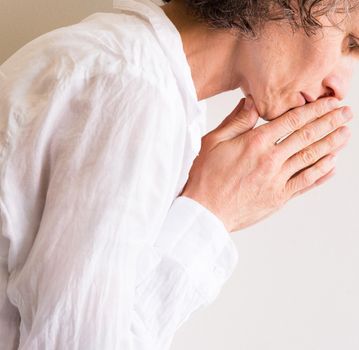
x,y
243,176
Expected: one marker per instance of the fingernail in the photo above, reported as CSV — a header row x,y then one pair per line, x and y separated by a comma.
x,y
248,104
347,113
346,132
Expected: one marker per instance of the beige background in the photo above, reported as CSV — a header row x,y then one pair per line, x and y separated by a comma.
x,y
297,283
23,20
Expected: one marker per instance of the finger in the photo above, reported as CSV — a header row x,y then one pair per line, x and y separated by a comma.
x,y
310,155
309,176
243,118
296,118
226,120
313,132
336,151
319,182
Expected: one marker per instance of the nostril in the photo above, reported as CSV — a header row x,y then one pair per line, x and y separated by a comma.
x,y
330,93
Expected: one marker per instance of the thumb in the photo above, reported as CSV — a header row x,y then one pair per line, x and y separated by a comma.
x,y
243,118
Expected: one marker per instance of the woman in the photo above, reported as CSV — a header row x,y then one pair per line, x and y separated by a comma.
x,y
115,217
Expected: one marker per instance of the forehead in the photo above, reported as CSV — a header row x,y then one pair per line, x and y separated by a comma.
x,y
346,21
353,19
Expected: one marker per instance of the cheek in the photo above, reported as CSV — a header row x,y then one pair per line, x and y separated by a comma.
x,y
275,76
320,55
318,60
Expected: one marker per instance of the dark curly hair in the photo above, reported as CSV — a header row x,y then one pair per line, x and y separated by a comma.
x,y
248,16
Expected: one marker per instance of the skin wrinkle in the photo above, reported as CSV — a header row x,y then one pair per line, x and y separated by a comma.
x,y
276,67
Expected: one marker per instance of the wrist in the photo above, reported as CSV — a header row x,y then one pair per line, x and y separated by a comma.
x,y
205,203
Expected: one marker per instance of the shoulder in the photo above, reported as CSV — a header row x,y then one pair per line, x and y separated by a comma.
x,y
100,44
111,60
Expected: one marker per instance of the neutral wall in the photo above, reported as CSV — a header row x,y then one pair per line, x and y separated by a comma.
x,y
297,282
296,286
23,20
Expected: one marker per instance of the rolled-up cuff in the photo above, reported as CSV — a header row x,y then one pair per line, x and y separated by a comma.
x,y
197,239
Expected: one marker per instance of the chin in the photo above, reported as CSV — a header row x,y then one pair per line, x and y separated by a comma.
x,y
278,111
271,115
268,111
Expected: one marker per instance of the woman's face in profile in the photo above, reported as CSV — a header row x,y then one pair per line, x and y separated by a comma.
x,y
283,70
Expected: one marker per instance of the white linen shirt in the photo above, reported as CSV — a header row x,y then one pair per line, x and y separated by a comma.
x,y
99,127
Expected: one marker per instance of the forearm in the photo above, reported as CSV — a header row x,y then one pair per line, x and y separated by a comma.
x,y
185,270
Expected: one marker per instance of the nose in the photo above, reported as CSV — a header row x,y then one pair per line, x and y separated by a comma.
x,y
337,83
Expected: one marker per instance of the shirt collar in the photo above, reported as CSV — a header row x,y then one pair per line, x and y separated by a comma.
x,y
171,42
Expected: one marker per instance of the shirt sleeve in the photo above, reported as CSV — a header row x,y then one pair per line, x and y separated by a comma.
x,y
9,316
105,149
185,270
103,152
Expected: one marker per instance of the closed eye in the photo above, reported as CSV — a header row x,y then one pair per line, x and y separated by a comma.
x,y
353,43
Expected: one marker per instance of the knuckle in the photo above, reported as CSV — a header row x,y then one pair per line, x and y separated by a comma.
x,y
267,162
324,166
307,178
319,109
334,121
307,135
322,106
333,141
293,186
288,192
292,120
258,139
323,169
308,156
